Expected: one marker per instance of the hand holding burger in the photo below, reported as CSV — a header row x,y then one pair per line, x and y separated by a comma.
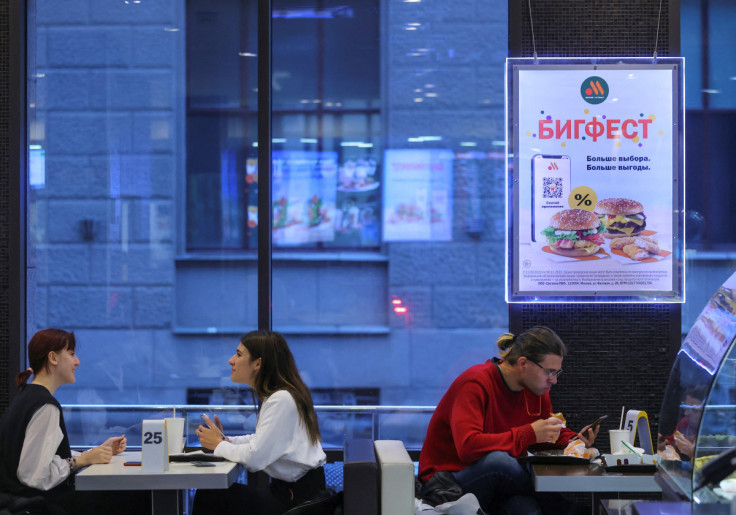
x,y
548,430
560,417
574,233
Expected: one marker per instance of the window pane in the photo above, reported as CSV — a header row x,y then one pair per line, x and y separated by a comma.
x,y
722,66
707,39
405,319
326,125
113,210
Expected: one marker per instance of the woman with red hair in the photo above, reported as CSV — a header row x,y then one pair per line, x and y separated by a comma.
x,y
36,458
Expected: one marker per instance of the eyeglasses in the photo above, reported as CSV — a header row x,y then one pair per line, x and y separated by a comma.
x,y
551,373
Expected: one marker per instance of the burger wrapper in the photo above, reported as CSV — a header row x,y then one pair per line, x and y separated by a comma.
x,y
577,448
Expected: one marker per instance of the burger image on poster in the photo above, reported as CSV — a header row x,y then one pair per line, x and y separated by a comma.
x,y
574,233
621,217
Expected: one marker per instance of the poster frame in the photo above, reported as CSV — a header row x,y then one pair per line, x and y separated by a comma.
x,y
514,294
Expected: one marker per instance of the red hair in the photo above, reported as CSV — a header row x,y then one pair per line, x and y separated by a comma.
x,y
43,342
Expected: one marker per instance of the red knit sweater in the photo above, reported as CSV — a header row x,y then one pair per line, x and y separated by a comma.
x,y
480,414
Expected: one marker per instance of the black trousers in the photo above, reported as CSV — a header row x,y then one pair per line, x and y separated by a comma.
x,y
115,502
279,497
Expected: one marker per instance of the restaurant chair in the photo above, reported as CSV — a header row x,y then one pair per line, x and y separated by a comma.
x,y
360,478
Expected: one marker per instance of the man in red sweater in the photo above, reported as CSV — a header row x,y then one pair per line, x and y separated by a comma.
x,y
489,417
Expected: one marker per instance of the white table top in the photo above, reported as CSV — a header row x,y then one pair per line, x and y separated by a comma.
x,y
584,478
115,476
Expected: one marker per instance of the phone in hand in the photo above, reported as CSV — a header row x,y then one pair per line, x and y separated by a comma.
x,y
205,420
597,422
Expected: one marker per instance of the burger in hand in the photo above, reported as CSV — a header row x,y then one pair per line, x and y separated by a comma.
x,y
574,233
621,217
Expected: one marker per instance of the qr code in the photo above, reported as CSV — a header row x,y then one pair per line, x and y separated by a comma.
x,y
552,187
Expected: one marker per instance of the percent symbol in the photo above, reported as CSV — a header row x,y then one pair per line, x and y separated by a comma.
x,y
583,199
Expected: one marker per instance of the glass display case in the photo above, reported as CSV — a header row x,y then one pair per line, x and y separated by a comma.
x,y
697,424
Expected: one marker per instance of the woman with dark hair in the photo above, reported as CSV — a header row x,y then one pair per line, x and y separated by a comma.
x,y
489,417
35,456
286,443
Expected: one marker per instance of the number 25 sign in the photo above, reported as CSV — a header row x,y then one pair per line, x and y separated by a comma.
x,y
154,455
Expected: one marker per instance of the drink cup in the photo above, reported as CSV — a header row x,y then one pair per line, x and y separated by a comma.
x,y
618,436
175,435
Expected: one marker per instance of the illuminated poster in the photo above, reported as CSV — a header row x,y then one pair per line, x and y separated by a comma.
x,y
596,181
36,166
304,191
713,331
358,215
418,195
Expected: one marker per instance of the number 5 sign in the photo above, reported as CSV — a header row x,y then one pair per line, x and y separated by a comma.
x,y
154,454
637,423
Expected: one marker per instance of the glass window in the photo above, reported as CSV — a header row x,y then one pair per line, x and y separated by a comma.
x,y
407,319
326,119
389,188
710,125
389,215
711,111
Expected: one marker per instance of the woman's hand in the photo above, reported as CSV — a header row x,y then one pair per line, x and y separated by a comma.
x,y
209,438
218,424
116,443
547,430
588,435
101,454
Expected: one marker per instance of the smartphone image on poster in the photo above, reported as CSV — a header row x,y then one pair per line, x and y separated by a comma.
x,y
550,188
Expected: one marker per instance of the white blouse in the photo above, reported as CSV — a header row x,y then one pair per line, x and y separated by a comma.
x,y
280,446
39,466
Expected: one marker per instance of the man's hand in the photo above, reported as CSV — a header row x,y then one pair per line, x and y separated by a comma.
x,y
588,435
547,430
685,446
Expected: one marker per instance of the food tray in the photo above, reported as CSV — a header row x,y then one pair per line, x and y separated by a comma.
x,y
637,469
553,458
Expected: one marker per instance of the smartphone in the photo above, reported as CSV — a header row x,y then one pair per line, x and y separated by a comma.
x,y
202,463
550,189
598,422
205,418
132,464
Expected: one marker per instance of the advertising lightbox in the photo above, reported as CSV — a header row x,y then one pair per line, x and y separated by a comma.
x,y
417,201
596,185
304,191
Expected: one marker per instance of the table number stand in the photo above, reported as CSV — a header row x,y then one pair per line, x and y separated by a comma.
x,y
154,449
637,423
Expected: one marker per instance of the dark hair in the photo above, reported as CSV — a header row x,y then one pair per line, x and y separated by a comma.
x,y
278,372
534,344
43,342
696,392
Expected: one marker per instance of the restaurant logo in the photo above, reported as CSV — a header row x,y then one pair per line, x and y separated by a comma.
x,y
594,90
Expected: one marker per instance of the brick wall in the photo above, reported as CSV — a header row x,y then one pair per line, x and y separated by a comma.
x,y
5,215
